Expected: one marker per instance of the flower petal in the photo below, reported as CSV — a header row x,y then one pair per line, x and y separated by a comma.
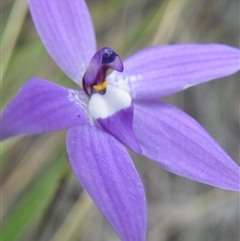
x,y
164,70
179,144
114,112
42,106
66,30
105,170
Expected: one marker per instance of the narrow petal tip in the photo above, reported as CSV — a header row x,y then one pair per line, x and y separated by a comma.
x,y
180,145
106,171
42,106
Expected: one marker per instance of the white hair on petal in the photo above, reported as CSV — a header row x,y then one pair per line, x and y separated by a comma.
x,y
125,83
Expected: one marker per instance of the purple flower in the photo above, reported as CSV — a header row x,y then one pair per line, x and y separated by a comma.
x,y
109,113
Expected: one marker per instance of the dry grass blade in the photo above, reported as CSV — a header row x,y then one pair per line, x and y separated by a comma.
x,y
185,215
11,32
169,23
24,173
75,219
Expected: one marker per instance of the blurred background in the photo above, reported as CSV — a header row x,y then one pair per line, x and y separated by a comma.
x,y
41,199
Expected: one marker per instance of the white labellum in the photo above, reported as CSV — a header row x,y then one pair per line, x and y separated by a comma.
x,y
114,100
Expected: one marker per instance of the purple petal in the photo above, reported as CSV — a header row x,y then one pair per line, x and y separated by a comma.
x,y
164,70
105,170
66,30
179,144
120,126
42,106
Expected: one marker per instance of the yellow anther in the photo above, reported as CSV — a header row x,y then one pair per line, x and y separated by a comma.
x,y
101,87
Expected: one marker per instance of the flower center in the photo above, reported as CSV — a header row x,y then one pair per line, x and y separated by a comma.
x,y
101,87
94,79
